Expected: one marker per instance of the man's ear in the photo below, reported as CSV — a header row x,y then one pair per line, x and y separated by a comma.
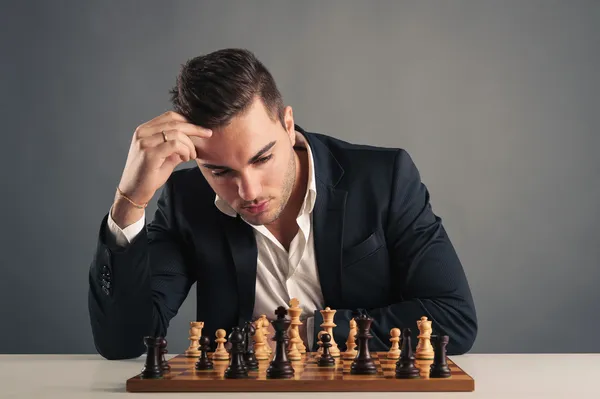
x,y
288,120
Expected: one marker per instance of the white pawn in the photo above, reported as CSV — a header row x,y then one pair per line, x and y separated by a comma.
x,y
220,353
394,352
259,341
351,351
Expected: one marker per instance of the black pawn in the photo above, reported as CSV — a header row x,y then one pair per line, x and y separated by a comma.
x,y
164,365
439,368
405,366
326,360
363,363
237,367
249,355
151,367
204,363
280,366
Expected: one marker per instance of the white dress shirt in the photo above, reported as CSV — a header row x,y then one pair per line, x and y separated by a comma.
x,y
280,274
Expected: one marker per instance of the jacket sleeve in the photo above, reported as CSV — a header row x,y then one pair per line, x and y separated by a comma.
x,y
431,281
135,291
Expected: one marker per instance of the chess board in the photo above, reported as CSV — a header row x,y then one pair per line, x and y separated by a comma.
x,y
183,377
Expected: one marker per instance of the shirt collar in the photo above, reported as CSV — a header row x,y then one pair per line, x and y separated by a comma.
x,y
311,192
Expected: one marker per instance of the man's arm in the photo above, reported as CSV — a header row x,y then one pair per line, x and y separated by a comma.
x,y
432,281
136,289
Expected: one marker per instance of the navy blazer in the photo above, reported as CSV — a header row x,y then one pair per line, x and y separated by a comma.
x,y
379,248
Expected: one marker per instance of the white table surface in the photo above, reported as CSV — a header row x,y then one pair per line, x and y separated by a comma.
x,y
496,376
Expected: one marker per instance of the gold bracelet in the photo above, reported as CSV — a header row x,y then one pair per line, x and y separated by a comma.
x,y
129,199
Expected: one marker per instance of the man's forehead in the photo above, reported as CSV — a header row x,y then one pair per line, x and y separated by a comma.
x,y
233,152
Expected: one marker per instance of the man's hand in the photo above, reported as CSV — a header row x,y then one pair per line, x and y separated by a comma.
x,y
157,147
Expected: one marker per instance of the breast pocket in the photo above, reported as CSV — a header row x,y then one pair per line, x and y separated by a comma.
x,y
365,276
373,243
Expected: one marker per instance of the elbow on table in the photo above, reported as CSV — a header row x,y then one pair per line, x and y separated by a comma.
x,y
111,352
464,337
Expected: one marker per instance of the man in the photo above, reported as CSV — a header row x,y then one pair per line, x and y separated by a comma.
x,y
270,213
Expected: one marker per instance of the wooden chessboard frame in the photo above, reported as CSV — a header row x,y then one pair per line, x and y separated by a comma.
x,y
308,377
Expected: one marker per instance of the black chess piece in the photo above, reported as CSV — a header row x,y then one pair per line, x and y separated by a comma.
x,y
280,366
326,360
162,344
237,367
405,366
363,363
151,367
439,368
204,363
249,355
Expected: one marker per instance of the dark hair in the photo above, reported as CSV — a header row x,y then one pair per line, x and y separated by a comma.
x,y
211,89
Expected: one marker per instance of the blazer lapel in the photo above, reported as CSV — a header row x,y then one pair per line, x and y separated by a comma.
x,y
328,230
328,220
244,253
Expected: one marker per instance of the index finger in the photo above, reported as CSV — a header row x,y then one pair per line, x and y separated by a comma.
x,y
191,129
165,117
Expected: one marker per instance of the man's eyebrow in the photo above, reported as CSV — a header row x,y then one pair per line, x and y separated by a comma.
x,y
250,161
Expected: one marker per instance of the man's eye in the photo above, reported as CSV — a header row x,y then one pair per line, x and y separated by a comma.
x,y
217,174
264,159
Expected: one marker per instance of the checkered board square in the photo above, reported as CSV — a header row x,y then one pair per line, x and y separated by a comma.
x,y
308,376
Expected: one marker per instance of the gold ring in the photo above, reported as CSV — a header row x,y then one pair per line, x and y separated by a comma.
x,y
164,136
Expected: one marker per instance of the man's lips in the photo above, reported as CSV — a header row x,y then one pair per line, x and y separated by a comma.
x,y
257,208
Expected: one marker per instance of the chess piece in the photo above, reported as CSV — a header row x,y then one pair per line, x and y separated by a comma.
x,y
195,333
265,327
204,362
280,366
394,352
152,367
328,324
326,360
237,367
439,368
294,353
405,366
351,352
319,343
259,341
424,349
249,355
162,344
220,353
363,363
295,311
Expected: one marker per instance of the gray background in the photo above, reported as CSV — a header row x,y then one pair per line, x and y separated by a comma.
x,y
497,102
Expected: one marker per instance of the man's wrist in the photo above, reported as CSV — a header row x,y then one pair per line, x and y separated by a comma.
x,y
125,214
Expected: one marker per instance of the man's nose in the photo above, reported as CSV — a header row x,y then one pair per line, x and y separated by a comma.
x,y
249,186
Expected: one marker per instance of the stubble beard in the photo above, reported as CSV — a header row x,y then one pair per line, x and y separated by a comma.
x,y
286,192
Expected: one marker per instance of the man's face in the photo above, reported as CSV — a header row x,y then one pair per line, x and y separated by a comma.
x,y
251,163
